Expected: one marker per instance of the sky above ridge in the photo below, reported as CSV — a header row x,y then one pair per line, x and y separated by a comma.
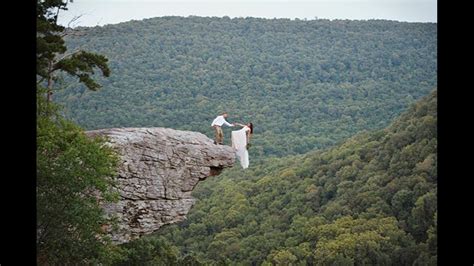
x,y
102,12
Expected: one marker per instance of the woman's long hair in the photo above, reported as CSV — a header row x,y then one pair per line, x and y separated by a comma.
x,y
251,128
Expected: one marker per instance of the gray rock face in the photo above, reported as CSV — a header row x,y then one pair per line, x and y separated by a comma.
x,y
159,169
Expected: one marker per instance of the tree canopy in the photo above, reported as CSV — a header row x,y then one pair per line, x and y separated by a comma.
x,y
304,84
333,180
371,200
73,172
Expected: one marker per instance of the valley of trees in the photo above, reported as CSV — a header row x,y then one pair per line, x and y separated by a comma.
x,y
372,200
304,84
343,160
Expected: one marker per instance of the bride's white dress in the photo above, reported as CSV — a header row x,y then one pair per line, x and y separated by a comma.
x,y
239,143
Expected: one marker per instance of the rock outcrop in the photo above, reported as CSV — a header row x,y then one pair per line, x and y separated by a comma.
x,y
158,171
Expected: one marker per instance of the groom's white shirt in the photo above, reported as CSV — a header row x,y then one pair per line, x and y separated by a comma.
x,y
219,121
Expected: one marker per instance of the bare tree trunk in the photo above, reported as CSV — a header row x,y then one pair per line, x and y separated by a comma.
x,y
50,83
50,89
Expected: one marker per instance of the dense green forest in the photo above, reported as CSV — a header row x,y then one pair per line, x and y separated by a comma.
x,y
342,170
372,200
73,171
305,84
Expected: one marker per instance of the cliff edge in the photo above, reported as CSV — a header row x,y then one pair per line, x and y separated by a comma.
x,y
158,170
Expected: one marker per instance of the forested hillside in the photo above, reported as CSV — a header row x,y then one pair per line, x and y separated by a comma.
x,y
304,84
369,201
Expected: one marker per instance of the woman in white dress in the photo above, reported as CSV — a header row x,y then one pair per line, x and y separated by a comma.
x,y
240,140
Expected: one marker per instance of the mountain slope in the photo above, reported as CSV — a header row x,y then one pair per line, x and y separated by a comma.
x,y
304,84
370,200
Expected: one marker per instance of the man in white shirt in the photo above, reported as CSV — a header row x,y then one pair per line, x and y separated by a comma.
x,y
217,125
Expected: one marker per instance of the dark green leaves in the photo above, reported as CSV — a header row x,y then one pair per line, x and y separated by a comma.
x,y
82,65
73,174
51,49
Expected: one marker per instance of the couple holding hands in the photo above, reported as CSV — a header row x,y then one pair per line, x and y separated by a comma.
x,y
240,138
